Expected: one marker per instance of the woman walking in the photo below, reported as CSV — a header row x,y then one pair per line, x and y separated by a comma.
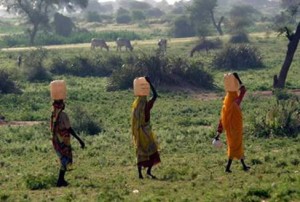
x,y
61,132
232,119
143,137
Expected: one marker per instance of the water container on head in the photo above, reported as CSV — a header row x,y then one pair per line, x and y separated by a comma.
x,y
231,84
141,87
58,90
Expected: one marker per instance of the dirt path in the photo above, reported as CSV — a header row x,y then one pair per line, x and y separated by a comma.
x,y
19,123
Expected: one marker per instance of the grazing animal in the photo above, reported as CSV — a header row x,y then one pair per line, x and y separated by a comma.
x,y
99,43
162,45
206,45
123,42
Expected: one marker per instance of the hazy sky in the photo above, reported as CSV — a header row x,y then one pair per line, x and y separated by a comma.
x,y
169,1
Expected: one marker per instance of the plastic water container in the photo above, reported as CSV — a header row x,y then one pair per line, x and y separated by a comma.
x,y
217,144
231,83
141,87
58,90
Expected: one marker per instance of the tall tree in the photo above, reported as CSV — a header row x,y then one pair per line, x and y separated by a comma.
x,y
292,7
37,12
202,13
241,16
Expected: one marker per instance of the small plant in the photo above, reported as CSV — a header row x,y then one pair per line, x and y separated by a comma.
x,y
238,57
39,182
282,119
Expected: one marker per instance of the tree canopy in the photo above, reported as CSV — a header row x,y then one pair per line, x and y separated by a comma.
x,y
202,16
37,13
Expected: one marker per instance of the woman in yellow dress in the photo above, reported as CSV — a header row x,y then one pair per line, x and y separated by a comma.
x,y
232,122
143,138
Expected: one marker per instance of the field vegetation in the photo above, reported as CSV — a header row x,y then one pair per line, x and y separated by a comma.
x,y
184,118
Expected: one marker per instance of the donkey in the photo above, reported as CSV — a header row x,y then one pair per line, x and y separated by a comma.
x,y
99,43
123,42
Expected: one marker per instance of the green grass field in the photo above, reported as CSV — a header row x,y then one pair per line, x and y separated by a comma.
x,y
184,121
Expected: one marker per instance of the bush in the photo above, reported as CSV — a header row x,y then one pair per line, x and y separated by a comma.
x,y
34,67
281,120
84,122
163,70
93,64
239,38
123,19
6,84
238,57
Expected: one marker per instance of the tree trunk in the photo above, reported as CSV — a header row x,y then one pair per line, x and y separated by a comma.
x,y
217,26
32,33
279,81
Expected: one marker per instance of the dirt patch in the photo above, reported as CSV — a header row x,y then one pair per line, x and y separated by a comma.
x,y
19,123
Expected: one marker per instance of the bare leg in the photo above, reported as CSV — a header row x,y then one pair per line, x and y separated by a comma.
x,y
61,182
228,166
140,172
245,167
149,173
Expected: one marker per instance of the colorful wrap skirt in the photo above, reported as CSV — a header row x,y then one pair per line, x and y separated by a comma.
x,y
62,146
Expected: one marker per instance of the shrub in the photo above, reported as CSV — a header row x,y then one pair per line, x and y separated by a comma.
x,y
84,122
238,57
6,84
163,70
241,37
282,120
94,64
123,19
34,67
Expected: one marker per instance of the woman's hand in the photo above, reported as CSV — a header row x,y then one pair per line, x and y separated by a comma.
x,y
147,79
82,145
237,77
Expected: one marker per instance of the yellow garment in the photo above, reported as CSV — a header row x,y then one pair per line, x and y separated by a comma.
x,y
143,137
232,122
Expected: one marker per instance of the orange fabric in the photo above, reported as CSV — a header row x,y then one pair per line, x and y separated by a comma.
x,y
232,121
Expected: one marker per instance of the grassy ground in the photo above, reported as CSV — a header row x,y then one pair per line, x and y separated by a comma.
x,y
191,169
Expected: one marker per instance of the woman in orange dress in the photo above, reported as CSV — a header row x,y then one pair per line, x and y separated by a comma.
x,y
232,122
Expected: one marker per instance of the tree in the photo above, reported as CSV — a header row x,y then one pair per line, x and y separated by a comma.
x,y
241,16
182,27
37,12
138,15
202,15
293,37
63,25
